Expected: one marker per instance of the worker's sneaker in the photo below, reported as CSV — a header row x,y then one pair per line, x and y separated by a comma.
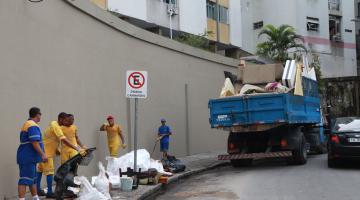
x,y
41,193
50,196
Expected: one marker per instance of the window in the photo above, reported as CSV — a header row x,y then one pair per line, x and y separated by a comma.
x,y
258,25
223,15
335,28
170,1
211,10
312,24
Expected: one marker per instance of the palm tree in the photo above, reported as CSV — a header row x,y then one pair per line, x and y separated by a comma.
x,y
279,41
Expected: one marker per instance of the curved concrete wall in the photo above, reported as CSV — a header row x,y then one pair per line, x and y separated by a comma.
x,y
56,56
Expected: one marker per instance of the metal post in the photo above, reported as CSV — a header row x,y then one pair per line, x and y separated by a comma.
x,y
170,14
129,129
187,121
135,134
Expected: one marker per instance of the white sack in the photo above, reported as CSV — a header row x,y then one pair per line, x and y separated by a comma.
x,y
102,183
87,192
143,161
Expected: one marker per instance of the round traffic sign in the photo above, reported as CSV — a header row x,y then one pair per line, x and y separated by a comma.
x,y
136,80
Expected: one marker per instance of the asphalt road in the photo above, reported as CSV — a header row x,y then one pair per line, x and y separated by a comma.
x,y
272,180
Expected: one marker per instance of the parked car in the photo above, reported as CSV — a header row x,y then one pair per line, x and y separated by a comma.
x,y
344,140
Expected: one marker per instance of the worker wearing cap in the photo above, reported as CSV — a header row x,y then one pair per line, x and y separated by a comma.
x,y
29,153
70,132
114,136
164,133
52,138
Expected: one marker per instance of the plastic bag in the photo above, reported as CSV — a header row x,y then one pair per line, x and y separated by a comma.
x,y
115,182
102,182
127,160
228,89
87,192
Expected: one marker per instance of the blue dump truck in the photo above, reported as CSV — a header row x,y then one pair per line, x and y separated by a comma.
x,y
270,125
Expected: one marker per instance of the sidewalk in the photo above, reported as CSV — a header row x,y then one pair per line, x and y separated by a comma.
x,y
194,164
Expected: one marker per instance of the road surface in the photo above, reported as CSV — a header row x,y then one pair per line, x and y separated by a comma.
x,y
272,180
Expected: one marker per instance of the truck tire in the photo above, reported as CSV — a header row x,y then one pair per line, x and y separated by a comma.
x,y
241,163
300,153
331,163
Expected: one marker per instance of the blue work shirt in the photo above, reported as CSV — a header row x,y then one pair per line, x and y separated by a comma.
x,y
26,153
163,130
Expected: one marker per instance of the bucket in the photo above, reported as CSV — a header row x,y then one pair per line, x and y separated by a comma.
x,y
126,184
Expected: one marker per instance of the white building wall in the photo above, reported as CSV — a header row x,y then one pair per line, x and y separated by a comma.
x,y
275,12
337,59
192,16
157,14
235,22
131,8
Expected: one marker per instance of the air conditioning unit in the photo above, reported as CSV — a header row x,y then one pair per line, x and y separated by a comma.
x,y
172,9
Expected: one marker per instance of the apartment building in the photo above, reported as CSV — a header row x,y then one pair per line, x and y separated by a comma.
x,y
219,20
327,26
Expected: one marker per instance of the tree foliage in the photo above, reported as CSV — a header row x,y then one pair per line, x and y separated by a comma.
x,y
279,41
199,41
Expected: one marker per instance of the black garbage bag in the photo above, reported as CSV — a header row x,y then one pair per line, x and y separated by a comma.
x,y
64,176
173,164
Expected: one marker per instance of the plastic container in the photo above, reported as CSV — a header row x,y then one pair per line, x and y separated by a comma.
x,y
126,184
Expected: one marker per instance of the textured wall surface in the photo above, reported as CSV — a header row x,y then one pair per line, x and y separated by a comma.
x,y
55,56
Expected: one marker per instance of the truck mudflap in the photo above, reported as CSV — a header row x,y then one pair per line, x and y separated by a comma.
x,y
279,154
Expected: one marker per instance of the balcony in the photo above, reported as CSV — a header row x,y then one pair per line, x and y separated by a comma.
x,y
335,7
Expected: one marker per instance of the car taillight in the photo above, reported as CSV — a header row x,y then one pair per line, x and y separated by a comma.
x,y
335,139
232,146
283,143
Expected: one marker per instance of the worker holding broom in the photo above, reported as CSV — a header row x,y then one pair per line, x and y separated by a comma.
x,y
114,136
164,137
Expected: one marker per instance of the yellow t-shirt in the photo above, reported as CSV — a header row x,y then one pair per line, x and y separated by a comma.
x,y
52,136
70,133
113,135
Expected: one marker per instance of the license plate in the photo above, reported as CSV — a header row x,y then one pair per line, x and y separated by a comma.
x,y
354,139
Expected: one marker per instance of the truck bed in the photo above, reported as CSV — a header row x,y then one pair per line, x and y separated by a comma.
x,y
264,109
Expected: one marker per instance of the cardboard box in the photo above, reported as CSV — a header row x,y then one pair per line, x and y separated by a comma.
x,y
257,74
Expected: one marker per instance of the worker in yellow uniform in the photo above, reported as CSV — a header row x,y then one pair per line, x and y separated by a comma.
x,y
52,138
70,132
114,136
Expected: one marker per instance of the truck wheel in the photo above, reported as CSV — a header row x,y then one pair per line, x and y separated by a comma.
x,y
241,163
300,154
332,163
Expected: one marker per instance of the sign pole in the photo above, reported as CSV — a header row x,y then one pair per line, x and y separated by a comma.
x,y
135,134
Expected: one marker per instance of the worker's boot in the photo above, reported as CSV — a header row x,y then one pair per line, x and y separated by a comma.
x,y
41,193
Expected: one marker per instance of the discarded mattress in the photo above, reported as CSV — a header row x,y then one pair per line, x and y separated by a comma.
x,y
250,89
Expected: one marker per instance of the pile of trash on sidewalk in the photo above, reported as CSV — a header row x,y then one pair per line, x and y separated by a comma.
x,y
119,175
254,79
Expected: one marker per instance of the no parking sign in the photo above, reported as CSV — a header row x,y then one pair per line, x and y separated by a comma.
x,y
136,84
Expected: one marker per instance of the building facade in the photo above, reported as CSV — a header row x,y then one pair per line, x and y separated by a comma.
x,y
218,20
327,27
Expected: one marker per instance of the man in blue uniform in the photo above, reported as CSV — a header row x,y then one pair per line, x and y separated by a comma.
x,y
29,153
164,137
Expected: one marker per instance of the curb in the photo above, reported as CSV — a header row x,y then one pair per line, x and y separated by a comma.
x,y
156,189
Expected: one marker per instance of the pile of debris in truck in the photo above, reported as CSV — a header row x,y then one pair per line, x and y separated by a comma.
x,y
253,79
